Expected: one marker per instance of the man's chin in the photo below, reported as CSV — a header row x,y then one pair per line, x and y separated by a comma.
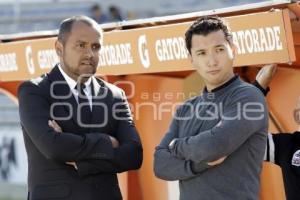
x,y
88,71
86,75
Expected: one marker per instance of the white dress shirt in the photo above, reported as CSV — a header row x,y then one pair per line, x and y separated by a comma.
x,y
72,84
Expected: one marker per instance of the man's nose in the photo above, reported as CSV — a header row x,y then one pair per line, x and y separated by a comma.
x,y
88,53
212,60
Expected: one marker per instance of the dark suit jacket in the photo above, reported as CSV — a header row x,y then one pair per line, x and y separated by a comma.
x,y
49,97
286,154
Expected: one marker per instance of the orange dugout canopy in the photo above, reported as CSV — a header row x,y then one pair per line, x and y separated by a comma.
x,y
262,32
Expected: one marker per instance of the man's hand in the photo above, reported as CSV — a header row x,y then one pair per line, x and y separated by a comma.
x,y
73,164
217,162
55,126
114,141
265,75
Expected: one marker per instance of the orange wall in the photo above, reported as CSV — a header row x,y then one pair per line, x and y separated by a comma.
x,y
10,88
150,91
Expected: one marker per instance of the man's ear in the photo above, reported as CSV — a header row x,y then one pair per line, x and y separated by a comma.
x,y
59,48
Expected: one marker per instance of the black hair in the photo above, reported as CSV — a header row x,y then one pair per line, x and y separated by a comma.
x,y
204,26
95,7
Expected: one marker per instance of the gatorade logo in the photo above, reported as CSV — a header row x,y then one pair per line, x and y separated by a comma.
x,y
258,40
29,59
143,51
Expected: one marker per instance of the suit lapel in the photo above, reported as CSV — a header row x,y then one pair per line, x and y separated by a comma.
x,y
100,115
61,91
101,100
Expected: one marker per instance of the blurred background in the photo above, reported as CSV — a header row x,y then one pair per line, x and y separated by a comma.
x,y
18,16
